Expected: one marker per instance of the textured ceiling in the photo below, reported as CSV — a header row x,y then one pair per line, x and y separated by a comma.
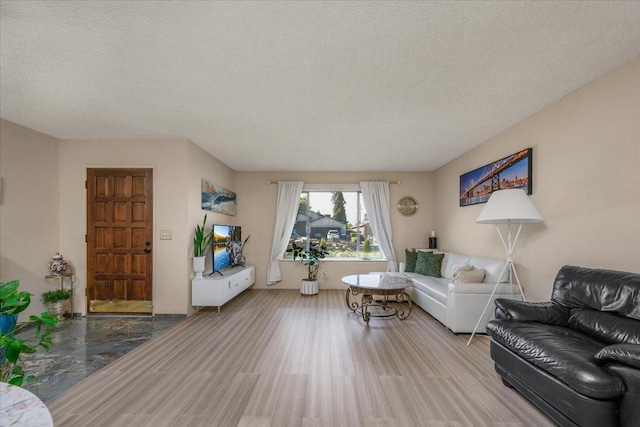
x,y
290,86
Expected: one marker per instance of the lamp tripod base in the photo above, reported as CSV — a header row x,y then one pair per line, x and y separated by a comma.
x,y
510,267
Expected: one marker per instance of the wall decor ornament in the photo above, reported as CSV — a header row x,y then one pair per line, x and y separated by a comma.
x,y
218,199
57,265
407,206
513,171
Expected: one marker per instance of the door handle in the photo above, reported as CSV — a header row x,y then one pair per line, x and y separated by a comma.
x,y
147,250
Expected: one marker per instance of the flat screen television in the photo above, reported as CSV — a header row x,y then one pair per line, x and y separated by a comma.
x,y
227,247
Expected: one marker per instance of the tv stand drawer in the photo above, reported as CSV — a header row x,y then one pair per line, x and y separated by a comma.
x,y
218,289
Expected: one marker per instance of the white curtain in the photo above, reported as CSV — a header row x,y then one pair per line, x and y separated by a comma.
x,y
376,202
286,213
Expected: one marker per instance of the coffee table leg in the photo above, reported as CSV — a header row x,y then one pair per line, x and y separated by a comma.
x,y
353,305
366,300
404,297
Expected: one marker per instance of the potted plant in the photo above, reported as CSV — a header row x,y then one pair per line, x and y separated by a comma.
x,y
310,256
13,302
59,302
200,243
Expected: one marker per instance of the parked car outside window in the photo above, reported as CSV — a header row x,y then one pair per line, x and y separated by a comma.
x,y
333,235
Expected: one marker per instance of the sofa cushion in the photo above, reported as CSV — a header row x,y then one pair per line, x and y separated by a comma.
x,y
551,395
603,290
607,327
463,267
410,259
562,352
436,288
451,262
493,267
429,264
471,276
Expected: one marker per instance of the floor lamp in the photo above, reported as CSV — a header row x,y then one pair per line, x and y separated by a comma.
x,y
509,207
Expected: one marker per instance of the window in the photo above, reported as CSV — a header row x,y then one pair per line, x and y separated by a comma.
x,y
337,219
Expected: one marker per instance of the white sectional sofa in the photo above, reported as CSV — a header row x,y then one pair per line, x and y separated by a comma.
x,y
458,305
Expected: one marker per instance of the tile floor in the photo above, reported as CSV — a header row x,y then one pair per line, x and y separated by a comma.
x,y
84,345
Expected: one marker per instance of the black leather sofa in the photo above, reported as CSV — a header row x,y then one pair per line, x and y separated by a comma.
x,y
576,357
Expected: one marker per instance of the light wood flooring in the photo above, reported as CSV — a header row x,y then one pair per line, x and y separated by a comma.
x,y
277,358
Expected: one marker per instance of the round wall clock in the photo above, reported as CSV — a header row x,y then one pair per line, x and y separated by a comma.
x,y
407,206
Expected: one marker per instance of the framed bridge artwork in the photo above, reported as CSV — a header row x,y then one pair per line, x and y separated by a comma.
x,y
513,171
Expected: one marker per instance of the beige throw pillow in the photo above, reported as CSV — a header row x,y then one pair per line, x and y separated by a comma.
x,y
473,276
463,267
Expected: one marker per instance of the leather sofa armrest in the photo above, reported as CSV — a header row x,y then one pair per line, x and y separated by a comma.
x,y
628,406
542,312
626,354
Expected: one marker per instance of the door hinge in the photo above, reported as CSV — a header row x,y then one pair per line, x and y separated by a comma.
x,y
85,238
85,184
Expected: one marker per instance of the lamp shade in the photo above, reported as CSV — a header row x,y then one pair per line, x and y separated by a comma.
x,y
509,206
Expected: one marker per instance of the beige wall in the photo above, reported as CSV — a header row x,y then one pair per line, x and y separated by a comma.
x,y
168,158
257,216
586,157
203,165
43,208
29,210
586,170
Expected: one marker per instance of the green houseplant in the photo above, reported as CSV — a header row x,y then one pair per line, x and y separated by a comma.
x,y
56,296
13,302
201,240
59,302
200,243
309,256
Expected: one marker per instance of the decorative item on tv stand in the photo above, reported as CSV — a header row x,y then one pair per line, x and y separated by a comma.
x,y
511,206
309,256
200,243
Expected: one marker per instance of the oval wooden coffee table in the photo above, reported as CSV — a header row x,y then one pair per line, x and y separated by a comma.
x,y
390,287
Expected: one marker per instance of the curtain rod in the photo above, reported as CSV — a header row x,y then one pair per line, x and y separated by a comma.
x,y
331,183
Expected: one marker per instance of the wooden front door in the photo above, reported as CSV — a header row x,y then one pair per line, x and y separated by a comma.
x,y
119,240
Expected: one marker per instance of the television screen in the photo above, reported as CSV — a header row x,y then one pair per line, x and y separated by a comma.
x,y
227,246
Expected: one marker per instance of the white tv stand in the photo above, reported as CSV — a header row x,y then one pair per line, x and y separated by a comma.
x,y
219,288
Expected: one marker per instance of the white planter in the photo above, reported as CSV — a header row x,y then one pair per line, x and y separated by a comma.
x,y
309,287
198,266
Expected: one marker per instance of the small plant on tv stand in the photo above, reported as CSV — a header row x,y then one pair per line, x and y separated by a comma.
x,y
200,243
201,240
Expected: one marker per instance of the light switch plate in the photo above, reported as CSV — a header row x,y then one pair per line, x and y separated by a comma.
x,y
166,235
